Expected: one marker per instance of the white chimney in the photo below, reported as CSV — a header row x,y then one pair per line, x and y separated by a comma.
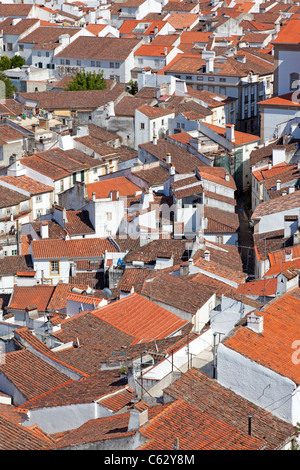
x,y
288,255
255,322
291,189
93,196
44,230
230,132
269,164
207,255
168,158
154,139
227,176
209,57
137,419
172,170
278,185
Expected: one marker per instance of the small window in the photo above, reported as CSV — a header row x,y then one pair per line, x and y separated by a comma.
x,y
92,63
78,62
21,47
47,54
219,238
294,81
112,65
67,62
54,268
62,61
222,79
62,185
117,65
142,125
98,63
14,252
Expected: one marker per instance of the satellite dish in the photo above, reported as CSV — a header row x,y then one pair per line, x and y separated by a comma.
x,y
107,293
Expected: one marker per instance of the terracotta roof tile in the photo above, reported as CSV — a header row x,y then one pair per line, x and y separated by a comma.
x,y
103,188
23,297
31,375
223,404
196,430
141,318
280,316
77,248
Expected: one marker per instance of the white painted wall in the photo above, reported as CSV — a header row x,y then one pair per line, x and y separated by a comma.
x,y
273,392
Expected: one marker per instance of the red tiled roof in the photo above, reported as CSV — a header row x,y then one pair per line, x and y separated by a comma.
x,y
240,137
23,297
141,318
223,404
261,287
280,319
78,248
289,33
103,188
31,375
196,430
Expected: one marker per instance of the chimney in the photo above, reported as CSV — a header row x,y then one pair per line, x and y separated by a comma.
x,y
227,176
288,255
255,322
154,139
137,419
230,132
44,229
166,51
168,158
207,255
209,57
278,185
291,189
184,270
269,164
172,171
93,196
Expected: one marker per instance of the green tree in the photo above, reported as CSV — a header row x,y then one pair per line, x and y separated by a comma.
x,y
133,87
9,88
5,63
17,61
87,81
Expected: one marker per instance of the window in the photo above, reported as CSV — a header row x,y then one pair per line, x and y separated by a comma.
x,y
108,215
222,79
14,252
140,61
142,125
47,54
54,268
67,62
9,46
62,61
211,79
199,78
21,47
78,62
62,185
219,238
117,65
39,53
294,81
112,65
92,63
98,63
108,233
38,198
188,77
